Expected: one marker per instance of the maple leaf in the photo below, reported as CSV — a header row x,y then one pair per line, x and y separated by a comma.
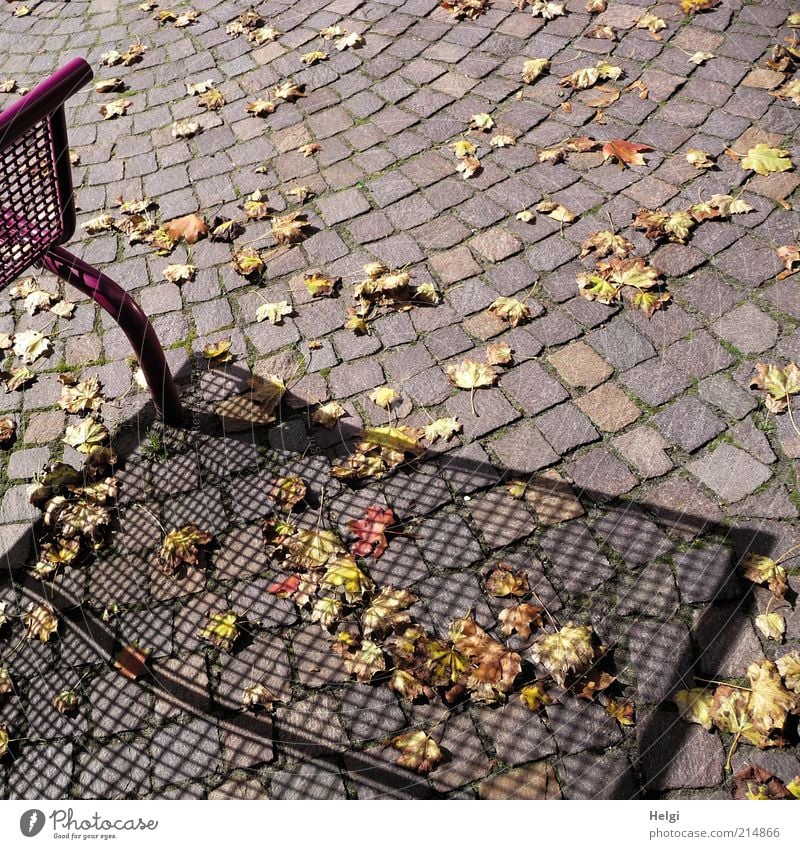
x,y
179,273
779,384
8,86
519,618
4,741
771,625
288,491
766,160
462,148
546,9
189,228
99,224
314,57
335,31
633,272
82,396
567,651
371,531
407,686
345,574
180,547
649,302
502,140
260,108
604,242
443,429
420,751
696,705
652,23
593,287
185,129
365,662
600,31
384,397
222,629
274,312
504,581
623,710
267,390
481,121
262,35
754,782
770,702
7,431
387,611
535,697
468,166
40,622
308,549
581,79
29,345
327,611
6,685
497,667
86,435
532,69
625,152
319,286
401,439
247,261
288,91
285,588
471,375
212,100
700,57
351,39
789,668
131,661
511,309
556,211
790,254
328,414
17,378
290,228
38,300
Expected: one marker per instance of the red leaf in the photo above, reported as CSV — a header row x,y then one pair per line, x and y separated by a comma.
x,y
286,588
370,531
625,152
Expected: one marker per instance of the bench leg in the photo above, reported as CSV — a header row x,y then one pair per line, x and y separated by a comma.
x,y
132,321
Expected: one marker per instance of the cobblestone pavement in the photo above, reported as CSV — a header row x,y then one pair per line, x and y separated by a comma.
x,y
653,467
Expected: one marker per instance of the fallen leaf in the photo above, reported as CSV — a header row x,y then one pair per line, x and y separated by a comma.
x,y
519,618
502,140
193,89
29,345
290,228
384,396
468,166
314,57
260,108
7,432
274,312
689,7
185,129
700,57
766,160
263,35
568,651
257,695
789,668
623,710
470,374
109,85
190,228
652,23
351,39
222,629
371,531
779,384
179,273
420,752
83,396
695,705
503,581
698,158
556,211
180,547
40,622
328,414
318,285
344,573
498,354
754,782
535,697
213,100
546,9
219,351
288,91
532,69
247,261
771,625
309,149
604,242
625,152
288,491
86,435
443,429
481,121
790,90
116,108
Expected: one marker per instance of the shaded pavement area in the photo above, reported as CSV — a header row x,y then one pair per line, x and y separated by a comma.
x,y
652,466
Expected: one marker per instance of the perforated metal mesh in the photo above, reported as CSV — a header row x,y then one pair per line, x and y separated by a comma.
x,y
30,218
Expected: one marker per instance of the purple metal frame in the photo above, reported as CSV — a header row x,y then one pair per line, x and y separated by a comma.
x,y
32,229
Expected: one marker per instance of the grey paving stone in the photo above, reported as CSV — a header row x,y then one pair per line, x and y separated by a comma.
x,y
524,449
500,520
518,735
316,779
730,472
600,476
575,558
591,776
532,781
726,641
42,772
723,393
688,423
674,754
565,427
644,448
627,530
706,574
621,345
655,381
185,752
748,329
661,656
699,355
311,727
120,769
532,388
579,725
467,761
372,712
651,592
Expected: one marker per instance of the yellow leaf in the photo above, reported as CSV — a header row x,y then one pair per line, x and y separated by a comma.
x,y
383,397
420,752
567,651
185,129
700,57
115,108
771,625
179,273
344,573
260,107
481,121
789,668
314,57
511,309
222,629
532,69
470,374
698,158
247,261
535,697
695,706
766,160
86,435
443,429
328,414
351,39
219,351
462,148
291,228
779,384
212,100
40,622
274,312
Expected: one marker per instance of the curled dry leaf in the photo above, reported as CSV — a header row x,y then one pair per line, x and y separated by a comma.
x,y
247,261
193,89
189,228
652,23
532,69
40,622
625,152
7,432
789,668
535,697
274,312
291,228
371,531
503,581
771,625
86,435
384,396
689,7
131,661
225,229
257,695
700,57
318,285
212,100
790,255
498,354
288,91
82,396
567,652
556,211
260,108
179,273
66,701
481,121
350,39
790,90
288,491
519,618
419,751
328,414
219,352
766,160
699,158
753,782
606,243
514,311
314,57
309,149
546,9
471,9
761,569
116,108
180,547
185,129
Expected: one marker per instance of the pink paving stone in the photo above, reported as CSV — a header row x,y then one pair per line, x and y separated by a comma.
x,y
643,448
580,366
454,265
763,78
609,408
